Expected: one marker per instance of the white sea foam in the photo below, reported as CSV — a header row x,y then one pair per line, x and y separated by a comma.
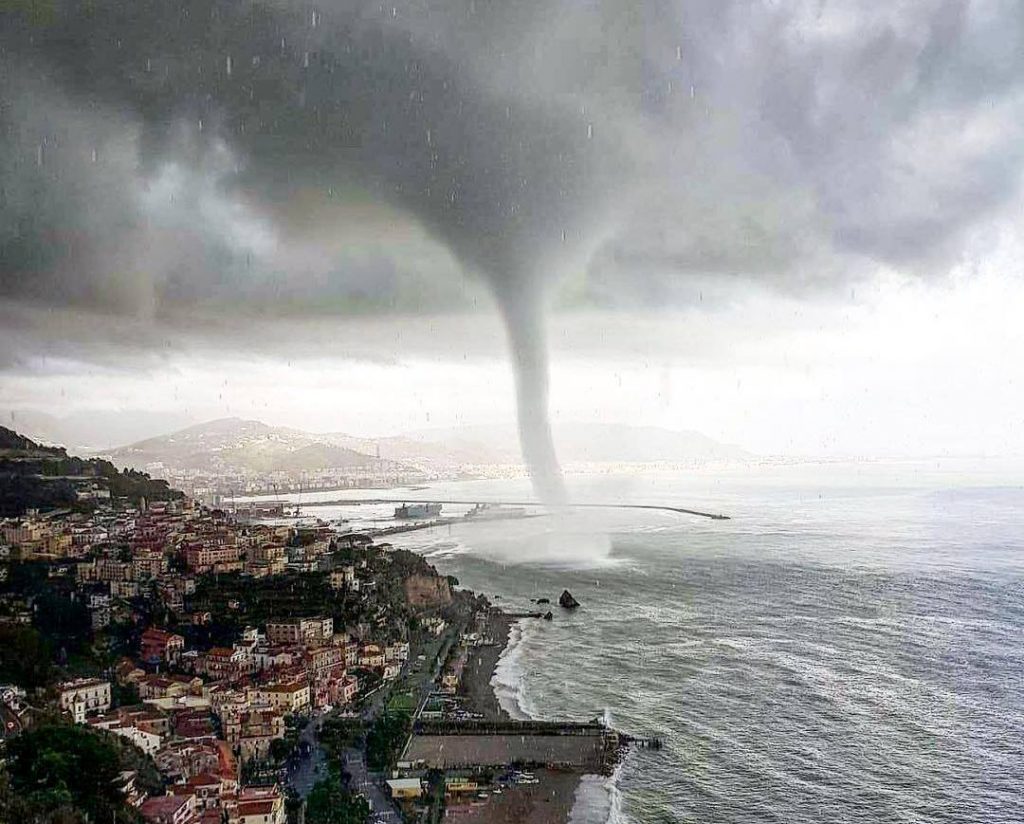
x,y
598,800
557,540
445,549
507,681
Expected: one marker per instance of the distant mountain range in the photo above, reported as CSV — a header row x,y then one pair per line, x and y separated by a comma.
x,y
233,445
236,445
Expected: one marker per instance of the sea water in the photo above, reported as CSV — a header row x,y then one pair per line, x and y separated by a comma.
x,y
848,648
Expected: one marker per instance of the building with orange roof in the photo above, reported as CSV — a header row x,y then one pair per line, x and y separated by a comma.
x,y
169,809
261,805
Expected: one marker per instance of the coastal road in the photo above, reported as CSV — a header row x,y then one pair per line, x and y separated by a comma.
x,y
308,768
420,681
371,786
312,767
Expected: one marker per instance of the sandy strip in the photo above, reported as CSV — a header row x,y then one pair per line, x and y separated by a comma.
x,y
480,665
547,802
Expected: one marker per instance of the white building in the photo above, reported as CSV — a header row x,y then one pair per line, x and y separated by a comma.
x,y
84,696
397,651
148,742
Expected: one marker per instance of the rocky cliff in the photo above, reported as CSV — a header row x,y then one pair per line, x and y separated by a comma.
x,y
427,591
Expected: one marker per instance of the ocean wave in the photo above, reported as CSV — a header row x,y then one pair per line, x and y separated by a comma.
x,y
431,544
445,549
507,681
598,800
781,681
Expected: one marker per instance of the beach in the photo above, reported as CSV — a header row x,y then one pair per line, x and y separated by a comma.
x,y
547,801
481,663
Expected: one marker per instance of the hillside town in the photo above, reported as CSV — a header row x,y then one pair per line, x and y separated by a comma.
x,y
168,662
165,631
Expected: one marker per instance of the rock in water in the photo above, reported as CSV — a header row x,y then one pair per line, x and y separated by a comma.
x,y
566,600
543,600
548,616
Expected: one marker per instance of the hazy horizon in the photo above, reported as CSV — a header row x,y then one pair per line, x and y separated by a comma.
x,y
896,370
790,227
61,431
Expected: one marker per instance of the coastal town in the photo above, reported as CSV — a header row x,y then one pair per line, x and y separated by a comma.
x,y
245,670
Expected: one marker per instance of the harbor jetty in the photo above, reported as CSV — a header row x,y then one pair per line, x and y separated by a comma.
x,y
446,745
518,505
493,768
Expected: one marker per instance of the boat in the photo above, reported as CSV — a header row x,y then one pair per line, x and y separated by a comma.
x,y
491,512
408,511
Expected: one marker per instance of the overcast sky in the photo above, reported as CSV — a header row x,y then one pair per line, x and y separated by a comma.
x,y
792,226
903,368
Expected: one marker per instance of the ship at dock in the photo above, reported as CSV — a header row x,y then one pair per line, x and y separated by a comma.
x,y
410,511
490,512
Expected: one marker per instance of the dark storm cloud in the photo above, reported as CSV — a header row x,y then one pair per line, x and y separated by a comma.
x,y
733,138
165,156
834,137
349,101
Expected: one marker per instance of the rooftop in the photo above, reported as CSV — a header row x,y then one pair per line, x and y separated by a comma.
x,y
162,805
404,783
79,683
255,807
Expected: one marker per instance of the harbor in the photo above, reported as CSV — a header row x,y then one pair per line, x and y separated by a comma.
x,y
481,765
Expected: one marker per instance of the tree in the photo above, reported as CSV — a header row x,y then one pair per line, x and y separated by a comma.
x,y
24,657
281,749
385,739
125,695
330,803
64,773
65,621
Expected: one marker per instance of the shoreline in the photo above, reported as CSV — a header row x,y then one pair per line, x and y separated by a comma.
x,y
553,796
482,664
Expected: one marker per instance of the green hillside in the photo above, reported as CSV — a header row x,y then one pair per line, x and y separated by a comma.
x,y
33,476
